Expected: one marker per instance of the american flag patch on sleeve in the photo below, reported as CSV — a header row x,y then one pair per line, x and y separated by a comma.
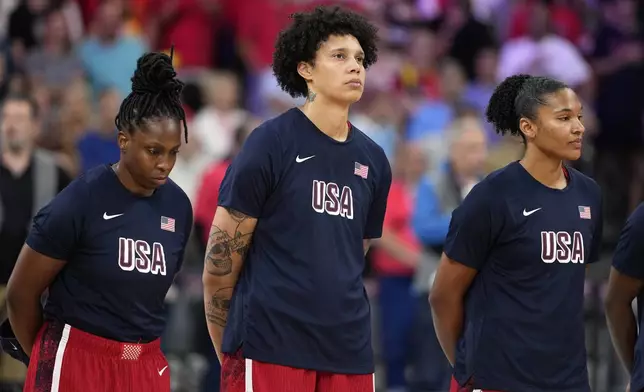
x,y
167,224
361,170
584,212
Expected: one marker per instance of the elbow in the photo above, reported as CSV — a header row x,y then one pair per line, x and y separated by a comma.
x,y
610,302
614,303
441,301
436,300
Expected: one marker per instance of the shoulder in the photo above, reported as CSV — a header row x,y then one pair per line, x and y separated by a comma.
x,y
270,132
175,195
500,180
487,191
586,184
368,143
375,153
637,216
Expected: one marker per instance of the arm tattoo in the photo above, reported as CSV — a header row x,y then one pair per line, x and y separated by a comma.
x,y
218,306
222,246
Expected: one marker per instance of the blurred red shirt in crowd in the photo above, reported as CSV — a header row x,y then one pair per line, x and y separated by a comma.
x,y
208,194
566,21
398,221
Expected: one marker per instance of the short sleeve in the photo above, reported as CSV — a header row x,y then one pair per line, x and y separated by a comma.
x,y
57,227
378,209
251,176
473,228
629,254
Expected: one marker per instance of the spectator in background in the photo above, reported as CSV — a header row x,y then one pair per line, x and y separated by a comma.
x,y
480,88
109,56
217,121
541,53
565,20
395,257
25,29
619,66
428,122
191,163
468,35
98,146
208,190
29,179
189,25
436,198
419,75
380,118
53,64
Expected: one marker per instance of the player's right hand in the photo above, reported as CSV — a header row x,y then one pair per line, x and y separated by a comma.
x,y
628,387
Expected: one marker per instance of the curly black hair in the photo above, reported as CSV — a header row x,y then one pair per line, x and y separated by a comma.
x,y
308,32
156,93
516,97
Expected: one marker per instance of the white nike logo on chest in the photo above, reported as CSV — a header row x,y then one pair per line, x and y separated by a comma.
x,y
108,217
528,213
300,160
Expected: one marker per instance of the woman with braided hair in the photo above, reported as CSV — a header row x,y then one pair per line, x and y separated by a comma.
x,y
107,248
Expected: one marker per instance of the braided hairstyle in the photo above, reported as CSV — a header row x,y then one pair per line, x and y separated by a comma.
x,y
517,97
155,93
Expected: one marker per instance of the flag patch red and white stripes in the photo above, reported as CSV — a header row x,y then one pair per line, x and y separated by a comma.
x,y
167,224
361,170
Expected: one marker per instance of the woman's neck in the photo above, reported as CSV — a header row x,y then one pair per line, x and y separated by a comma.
x,y
545,169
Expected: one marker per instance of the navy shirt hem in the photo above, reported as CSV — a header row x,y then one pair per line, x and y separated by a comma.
x,y
283,361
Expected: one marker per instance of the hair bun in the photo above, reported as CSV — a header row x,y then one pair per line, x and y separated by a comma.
x,y
501,110
154,74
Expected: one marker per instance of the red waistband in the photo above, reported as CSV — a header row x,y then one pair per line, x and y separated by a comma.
x,y
80,340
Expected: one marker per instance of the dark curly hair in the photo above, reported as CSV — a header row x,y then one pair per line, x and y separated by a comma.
x,y
308,32
516,97
156,93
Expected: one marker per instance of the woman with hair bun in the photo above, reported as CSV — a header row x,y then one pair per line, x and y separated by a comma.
x,y
508,296
107,249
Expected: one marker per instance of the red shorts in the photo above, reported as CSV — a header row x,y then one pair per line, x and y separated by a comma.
x,y
65,359
239,374
454,387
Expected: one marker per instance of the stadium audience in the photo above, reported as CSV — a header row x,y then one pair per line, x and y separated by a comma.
x,y
439,63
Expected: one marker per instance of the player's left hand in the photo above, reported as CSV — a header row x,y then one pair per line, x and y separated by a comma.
x,y
10,345
628,387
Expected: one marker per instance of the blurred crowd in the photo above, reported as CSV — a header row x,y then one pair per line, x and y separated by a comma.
x,y
424,103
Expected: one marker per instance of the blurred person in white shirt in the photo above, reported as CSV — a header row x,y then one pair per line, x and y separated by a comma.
x,y
215,124
543,53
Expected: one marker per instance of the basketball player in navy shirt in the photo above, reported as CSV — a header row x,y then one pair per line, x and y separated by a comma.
x,y
285,302
626,283
508,295
107,248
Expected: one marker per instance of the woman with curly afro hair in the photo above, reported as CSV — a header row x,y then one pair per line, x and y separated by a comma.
x,y
285,302
508,295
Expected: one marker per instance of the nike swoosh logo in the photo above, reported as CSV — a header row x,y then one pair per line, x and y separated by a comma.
x,y
14,346
528,213
300,160
162,370
108,217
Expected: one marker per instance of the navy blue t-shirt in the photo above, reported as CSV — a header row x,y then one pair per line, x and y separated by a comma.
x,y
523,329
122,252
300,299
629,260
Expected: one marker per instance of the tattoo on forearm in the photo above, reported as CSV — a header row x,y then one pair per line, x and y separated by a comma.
x,y
218,305
222,247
